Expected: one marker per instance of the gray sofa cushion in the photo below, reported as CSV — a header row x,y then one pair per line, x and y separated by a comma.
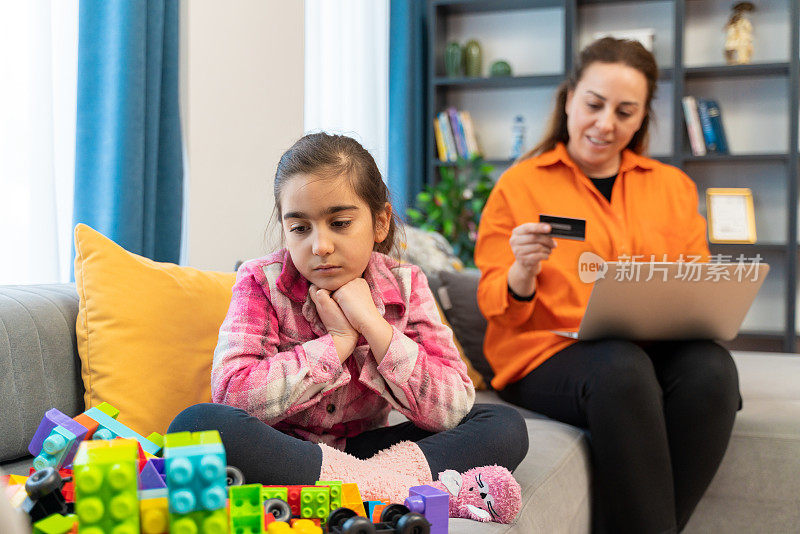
x,y
39,365
758,482
458,296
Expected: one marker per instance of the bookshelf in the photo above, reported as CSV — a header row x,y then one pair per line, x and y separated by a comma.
x,y
759,105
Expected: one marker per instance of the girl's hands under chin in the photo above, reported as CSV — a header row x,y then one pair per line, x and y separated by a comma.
x,y
355,300
344,335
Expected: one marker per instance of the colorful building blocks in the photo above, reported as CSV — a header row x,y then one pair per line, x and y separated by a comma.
x,y
395,519
111,428
315,503
56,524
56,439
275,492
432,503
351,498
106,497
246,512
194,463
43,495
335,492
300,526
150,478
88,423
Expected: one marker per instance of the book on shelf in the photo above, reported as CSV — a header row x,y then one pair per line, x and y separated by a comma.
x,y
469,132
458,133
711,123
455,137
441,149
693,127
447,136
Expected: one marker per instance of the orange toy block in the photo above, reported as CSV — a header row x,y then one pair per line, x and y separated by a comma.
x,y
90,424
351,498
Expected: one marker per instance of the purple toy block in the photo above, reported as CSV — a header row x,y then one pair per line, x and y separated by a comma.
x,y
158,463
149,478
53,418
434,504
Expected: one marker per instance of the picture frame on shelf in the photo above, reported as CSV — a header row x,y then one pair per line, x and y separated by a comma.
x,y
731,216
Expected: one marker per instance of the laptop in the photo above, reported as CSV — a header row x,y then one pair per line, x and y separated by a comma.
x,y
662,300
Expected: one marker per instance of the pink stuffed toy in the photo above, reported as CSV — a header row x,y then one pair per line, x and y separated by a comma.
x,y
487,493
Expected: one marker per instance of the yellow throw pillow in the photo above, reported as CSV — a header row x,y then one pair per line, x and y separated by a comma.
x,y
146,331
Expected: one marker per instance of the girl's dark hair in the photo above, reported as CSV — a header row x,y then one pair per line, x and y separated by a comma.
x,y
606,50
330,156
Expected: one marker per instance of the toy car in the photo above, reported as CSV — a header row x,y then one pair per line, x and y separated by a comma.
x,y
395,519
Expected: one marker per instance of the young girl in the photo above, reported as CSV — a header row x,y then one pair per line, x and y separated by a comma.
x,y
325,337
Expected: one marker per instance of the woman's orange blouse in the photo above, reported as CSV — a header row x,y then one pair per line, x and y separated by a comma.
x,y
653,216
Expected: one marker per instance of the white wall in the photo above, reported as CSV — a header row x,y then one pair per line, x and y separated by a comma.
x,y
242,99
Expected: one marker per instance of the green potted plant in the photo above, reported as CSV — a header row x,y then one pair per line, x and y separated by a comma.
x,y
453,205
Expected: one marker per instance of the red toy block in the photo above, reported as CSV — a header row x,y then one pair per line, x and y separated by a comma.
x,y
293,496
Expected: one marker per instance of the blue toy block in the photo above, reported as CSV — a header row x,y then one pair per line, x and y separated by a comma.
x,y
55,418
195,467
433,503
111,428
54,449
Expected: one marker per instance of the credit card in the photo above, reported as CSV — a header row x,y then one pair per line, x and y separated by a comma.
x,y
565,227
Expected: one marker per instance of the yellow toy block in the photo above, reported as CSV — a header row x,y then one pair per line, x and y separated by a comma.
x,y
18,497
351,498
16,479
154,515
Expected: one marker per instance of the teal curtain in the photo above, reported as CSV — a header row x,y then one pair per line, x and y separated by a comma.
x,y
129,160
408,133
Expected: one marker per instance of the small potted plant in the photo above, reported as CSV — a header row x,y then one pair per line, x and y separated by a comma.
x,y
453,205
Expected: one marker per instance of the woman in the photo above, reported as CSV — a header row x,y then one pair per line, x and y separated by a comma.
x,y
659,415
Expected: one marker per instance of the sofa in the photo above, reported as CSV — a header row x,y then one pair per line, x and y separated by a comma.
x,y
757,488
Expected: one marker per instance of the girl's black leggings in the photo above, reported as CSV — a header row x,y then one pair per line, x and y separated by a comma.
x,y
659,418
488,434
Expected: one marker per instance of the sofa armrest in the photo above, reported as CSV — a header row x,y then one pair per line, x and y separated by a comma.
x,y
39,364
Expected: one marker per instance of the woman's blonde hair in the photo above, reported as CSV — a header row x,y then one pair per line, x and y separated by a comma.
x,y
606,50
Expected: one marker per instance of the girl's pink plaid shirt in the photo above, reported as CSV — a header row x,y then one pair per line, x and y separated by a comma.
x,y
275,359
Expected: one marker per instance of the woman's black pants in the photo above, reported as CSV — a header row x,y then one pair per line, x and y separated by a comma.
x,y
659,418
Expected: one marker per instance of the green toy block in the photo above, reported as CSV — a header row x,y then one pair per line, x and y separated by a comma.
x,y
200,522
156,438
106,487
315,503
274,493
246,509
336,492
107,409
55,524
185,439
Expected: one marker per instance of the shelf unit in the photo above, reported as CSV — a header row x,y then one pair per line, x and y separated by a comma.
x,y
783,253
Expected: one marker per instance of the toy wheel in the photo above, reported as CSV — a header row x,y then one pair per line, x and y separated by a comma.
x,y
278,508
233,476
413,523
358,525
339,516
392,513
42,483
